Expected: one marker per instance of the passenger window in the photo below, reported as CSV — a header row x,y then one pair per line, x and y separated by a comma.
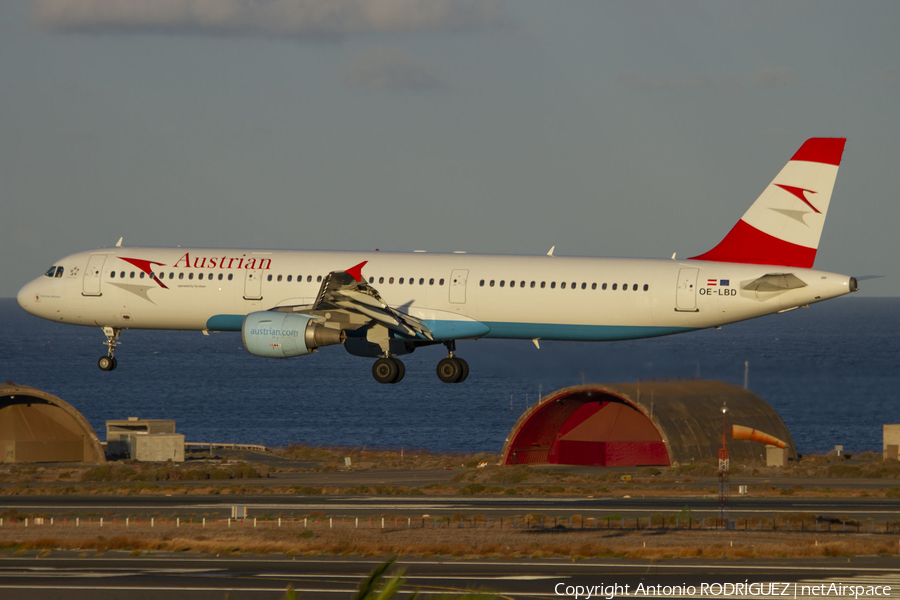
x,y
381,280
552,285
371,280
563,285
269,278
181,276
574,285
122,274
614,285
400,280
603,286
543,284
113,275
308,278
200,276
646,287
172,276
391,280
289,277
593,286
319,279
142,275
279,277
421,281
634,288
532,284
502,283
431,281
59,271
412,280
583,286
190,275
230,276
441,282
523,284
625,286
220,276
210,276
492,283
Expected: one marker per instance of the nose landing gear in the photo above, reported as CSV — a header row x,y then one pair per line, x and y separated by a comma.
x,y
108,362
452,369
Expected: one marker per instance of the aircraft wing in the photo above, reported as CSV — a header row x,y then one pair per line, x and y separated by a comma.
x,y
348,291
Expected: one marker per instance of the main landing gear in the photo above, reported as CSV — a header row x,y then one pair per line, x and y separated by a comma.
x,y
452,369
108,362
388,370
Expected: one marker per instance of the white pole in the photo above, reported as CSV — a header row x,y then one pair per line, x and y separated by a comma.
x,y
101,521
330,523
152,521
126,522
357,522
204,521
76,521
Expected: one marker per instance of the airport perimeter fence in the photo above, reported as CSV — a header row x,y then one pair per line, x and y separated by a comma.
x,y
532,523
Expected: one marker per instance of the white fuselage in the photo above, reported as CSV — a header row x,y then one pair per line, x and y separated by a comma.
x,y
523,297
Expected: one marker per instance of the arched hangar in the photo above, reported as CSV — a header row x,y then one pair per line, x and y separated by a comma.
x,y
659,423
39,427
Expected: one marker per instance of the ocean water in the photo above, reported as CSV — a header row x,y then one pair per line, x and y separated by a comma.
x,y
832,372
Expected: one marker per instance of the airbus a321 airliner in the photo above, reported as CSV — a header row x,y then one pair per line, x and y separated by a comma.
x,y
382,305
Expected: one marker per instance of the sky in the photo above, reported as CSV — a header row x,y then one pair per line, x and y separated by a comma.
x,y
628,128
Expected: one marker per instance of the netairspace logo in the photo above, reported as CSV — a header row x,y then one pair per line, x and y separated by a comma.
x,y
723,590
276,332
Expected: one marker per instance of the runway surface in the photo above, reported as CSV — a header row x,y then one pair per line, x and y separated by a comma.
x,y
116,575
878,509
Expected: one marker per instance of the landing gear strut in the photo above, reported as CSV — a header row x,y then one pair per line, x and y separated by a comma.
x,y
452,369
388,370
108,362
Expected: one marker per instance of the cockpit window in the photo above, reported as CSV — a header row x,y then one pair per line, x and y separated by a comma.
x,y
51,271
59,271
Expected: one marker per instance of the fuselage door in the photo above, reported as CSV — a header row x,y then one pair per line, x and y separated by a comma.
x,y
91,285
686,292
253,285
458,286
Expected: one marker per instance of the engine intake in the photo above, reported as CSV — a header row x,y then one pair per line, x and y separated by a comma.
x,y
283,335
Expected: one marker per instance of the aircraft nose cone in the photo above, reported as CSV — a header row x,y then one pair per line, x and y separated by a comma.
x,y
28,297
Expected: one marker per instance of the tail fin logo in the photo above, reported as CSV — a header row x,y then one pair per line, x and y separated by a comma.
x,y
801,194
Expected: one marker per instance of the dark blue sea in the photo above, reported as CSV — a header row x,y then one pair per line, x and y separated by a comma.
x,y
832,372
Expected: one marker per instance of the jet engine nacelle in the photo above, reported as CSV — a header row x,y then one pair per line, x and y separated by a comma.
x,y
282,335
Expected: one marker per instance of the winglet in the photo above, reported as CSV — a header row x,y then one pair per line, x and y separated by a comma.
x,y
552,248
356,271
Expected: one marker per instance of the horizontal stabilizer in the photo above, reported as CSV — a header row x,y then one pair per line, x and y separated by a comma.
x,y
775,282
